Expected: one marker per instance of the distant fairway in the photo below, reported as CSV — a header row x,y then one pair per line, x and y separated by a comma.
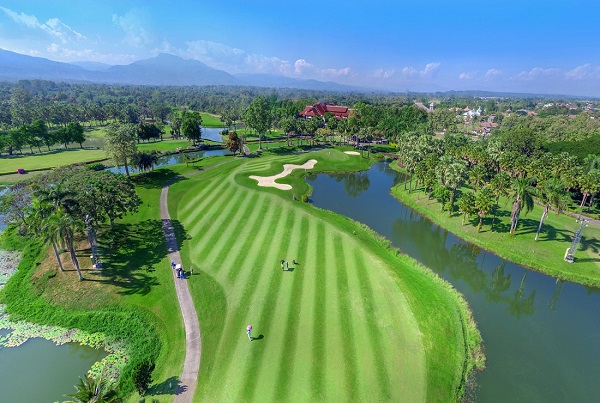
x,y
338,326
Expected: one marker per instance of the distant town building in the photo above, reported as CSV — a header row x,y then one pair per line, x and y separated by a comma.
x,y
320,109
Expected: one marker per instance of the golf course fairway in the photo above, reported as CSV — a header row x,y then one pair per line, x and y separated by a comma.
x,y
349,320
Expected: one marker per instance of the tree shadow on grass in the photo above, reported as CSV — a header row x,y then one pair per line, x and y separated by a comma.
x,y
156,179
130,252
171,386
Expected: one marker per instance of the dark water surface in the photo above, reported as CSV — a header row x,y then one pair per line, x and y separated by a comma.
x,y
542,336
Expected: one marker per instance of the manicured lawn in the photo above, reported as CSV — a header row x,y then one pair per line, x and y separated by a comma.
x,y
349,321
545,255
210,120
50,159
165,145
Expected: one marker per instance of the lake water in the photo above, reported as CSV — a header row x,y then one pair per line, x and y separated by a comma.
x,y
177,159
39,370
541,336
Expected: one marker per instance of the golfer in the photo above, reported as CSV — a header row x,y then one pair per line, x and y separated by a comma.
x,y
249,330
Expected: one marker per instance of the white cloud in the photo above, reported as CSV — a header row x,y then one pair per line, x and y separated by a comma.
x,y
585,71
335,72
380,73
58,52
430,70
409,72
536,73
468,75
301,66
492,74
132,23
53,26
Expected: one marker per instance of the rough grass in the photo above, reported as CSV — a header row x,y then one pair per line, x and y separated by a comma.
x,y
545,255
350,321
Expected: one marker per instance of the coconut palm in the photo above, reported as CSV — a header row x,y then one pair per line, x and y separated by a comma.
x,y
484,203
522,194
67,226
43,222
94,390
551,193
466,205
500,185
477,176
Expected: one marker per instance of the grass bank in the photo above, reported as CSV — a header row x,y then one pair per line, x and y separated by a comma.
x,y
349,319
545,255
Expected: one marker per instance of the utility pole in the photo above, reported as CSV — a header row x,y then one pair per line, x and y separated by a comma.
x,y
570,253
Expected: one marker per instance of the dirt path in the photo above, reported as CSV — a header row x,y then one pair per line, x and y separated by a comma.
x,y
193,342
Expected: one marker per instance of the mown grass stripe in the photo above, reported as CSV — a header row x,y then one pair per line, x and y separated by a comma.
x,y
317,383
291,329
261,225
215,233
238,316
211,209
202,190
207,202
266,312
368,298
300,383
346,319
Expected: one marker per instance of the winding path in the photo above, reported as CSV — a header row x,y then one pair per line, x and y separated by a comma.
x,y
193,342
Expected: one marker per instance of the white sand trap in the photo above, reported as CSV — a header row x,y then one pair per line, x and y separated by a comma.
x,y
352,152
269,181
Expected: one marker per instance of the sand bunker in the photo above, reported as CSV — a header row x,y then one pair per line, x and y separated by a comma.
x,y
269,181
352,152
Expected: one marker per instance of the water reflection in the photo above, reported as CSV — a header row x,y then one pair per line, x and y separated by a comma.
x,y
541,335
178,158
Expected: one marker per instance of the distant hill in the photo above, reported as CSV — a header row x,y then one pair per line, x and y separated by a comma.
x,y
269,80
15,66
92,66
167,69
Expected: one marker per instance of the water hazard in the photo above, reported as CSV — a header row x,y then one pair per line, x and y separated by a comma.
x,y
542,336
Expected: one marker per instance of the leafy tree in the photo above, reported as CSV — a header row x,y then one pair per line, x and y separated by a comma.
x,y
190,126
76,133
234,143
258,116
120,144
142,376
68,226
145,160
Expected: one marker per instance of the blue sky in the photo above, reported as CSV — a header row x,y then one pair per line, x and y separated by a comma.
x,y
524,46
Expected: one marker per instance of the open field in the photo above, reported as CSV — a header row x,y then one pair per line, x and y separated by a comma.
x,y
349,321
50,159
545,255
210,120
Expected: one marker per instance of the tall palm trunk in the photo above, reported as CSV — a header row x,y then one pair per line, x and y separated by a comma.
x,y
514,216
544,215
57,256
69,240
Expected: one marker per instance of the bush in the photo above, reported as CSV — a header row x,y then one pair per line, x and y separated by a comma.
x,y
304,198
96,166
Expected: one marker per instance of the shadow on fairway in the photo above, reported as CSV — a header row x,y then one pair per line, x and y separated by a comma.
x,y
260,337
290,269
171,386
156,179
130,253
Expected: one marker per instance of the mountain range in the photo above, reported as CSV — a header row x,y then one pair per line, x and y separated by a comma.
x,y
164,69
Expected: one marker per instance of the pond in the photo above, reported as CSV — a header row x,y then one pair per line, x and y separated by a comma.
x,y
39,370
541,336
173,159
213,133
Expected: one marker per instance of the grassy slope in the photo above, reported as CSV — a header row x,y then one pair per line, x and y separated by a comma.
x,y
344,324
545,255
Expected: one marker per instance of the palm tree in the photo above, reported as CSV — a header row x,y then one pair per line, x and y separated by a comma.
x,y
94,390
500,185
553,194
43,221
589,184
67,226
466,205
455,176
484,203
477,176
522,195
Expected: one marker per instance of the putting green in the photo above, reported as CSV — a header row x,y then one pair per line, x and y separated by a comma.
x,y
337,326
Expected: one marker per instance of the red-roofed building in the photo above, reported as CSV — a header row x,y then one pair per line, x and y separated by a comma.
x,y
322,108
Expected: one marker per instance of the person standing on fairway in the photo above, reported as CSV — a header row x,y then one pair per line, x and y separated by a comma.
x,y
282,262
249,330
